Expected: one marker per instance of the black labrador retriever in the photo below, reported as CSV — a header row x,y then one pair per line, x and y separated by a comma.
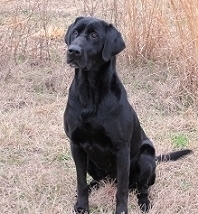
x,y
107,140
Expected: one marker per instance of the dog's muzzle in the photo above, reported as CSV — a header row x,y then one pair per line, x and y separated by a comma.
x,y
76,57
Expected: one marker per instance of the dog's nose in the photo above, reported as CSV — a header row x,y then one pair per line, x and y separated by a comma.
x,y
74,50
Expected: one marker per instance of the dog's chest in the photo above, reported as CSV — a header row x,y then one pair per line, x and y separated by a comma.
x,y
96,144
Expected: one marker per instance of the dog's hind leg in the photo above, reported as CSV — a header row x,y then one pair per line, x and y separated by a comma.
x,y
146,164
142,196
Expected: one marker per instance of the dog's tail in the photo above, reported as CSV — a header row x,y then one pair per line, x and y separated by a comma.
x,y
172,156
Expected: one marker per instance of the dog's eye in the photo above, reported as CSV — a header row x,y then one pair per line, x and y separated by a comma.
x,y
94,35
75,33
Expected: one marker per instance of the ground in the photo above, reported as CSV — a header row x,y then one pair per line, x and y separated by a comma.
x,y
37,173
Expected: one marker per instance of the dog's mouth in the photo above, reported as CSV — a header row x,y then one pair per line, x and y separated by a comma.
x,y
75,64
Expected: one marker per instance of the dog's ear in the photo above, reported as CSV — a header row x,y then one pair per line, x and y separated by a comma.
x,y
69,31
114,43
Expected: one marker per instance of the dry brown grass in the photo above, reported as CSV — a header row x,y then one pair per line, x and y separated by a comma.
x,y
162,33
166,33
37,173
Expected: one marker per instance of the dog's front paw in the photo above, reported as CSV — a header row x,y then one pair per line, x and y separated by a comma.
x,y
144,205
80,210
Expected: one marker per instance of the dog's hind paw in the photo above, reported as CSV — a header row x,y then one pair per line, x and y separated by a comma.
x,y
94,185
145,206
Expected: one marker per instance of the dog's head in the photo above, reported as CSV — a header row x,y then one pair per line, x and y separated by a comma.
x,y
92,42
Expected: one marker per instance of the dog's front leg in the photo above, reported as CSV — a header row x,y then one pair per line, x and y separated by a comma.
x,y
80,159
123,165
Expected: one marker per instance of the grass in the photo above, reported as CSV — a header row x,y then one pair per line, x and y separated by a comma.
x,y
180,141
37,173
164,32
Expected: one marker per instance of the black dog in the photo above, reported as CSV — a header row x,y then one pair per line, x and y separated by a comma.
x,y
106,137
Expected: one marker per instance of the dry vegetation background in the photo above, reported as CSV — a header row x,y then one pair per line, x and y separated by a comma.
x,y
159,69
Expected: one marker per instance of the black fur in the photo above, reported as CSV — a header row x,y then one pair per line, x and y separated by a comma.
x,y
172,156
107,140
